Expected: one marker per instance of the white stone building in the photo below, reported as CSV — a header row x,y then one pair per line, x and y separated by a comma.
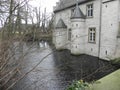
x,y
88,27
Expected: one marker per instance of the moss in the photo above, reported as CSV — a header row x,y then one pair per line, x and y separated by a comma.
x,y
116,61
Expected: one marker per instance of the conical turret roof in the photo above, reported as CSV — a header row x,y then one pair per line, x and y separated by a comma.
x,y
77,13
61,24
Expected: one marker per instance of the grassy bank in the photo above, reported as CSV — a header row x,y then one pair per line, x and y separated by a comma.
x,y
110,82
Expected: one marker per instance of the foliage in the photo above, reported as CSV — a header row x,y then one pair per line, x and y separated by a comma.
x,y
116,61
78,85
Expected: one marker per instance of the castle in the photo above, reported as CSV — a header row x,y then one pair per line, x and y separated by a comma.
x,y
88,27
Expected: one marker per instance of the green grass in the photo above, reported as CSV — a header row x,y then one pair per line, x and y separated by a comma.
x,y
116,61
110,82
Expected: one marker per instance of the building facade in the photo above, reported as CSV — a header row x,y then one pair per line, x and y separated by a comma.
x,y
88,27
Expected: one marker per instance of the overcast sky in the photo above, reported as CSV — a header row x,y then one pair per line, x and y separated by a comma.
x,y
48,4
44,3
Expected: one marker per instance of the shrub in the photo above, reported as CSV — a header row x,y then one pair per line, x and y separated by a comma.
x,y
116,61
78,85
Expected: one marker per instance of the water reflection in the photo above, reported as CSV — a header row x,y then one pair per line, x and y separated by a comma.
x,y
43,44
58,69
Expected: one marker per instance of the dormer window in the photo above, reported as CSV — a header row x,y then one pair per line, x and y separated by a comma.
x,y
90,10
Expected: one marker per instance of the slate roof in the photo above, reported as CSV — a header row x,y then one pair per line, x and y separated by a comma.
x,y
64,4
61,24
77,13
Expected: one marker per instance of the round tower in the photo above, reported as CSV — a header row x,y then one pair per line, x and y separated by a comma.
x,y
78,27
61,35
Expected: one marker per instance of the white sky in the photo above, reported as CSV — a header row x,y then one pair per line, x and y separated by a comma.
x,y
48,4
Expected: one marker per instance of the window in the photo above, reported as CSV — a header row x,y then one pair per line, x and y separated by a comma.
x,y
69,34
90,10
92,35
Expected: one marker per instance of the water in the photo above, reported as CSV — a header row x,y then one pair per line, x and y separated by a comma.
x,y
59,69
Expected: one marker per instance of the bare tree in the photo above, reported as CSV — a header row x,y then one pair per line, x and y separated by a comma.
x,y
12,13
12,22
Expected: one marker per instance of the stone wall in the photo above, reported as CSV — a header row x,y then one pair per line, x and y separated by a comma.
x,y
92,48
109,29
78,38
89,22
61,38
117,55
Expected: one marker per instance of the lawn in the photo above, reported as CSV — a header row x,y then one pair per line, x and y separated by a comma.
x,y
110,82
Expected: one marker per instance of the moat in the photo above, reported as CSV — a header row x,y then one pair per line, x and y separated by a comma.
x,y
59,69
